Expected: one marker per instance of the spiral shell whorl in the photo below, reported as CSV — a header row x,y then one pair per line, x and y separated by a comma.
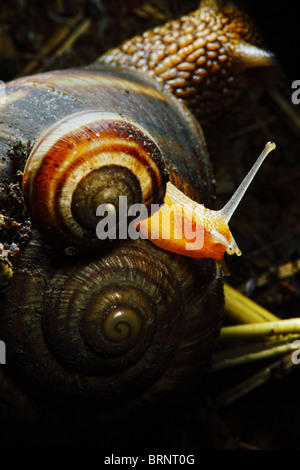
x,y
109,320
104,329
85,160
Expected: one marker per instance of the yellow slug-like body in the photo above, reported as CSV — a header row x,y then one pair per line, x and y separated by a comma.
x,y
185,227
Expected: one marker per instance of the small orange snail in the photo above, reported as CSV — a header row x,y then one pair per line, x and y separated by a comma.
x,y
122,323
209,228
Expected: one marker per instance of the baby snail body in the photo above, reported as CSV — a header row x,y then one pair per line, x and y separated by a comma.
x,y
125,322
209,226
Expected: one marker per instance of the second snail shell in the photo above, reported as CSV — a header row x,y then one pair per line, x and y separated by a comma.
x,y
109,329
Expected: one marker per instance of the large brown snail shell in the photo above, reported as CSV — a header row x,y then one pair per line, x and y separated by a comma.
x,y
60,206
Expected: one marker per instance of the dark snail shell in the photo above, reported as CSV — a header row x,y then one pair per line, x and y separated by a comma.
x,y
112,329
173,144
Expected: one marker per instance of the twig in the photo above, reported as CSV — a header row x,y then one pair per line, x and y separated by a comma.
x,y
55,40
149,11
240,309
278,368
247,446
286,108
256,330
252,352
252,127
7,48
81,29
60,7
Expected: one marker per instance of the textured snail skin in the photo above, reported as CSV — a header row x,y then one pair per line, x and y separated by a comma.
x,y
200,58
42,315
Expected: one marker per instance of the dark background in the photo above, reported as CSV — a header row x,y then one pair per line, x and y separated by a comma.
x,y
280,25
